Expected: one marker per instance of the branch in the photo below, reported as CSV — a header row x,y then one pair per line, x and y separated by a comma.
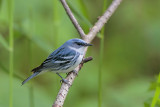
x,y
91,35
73,19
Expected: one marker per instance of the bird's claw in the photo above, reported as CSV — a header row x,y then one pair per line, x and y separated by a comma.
x,y
74,71
64,81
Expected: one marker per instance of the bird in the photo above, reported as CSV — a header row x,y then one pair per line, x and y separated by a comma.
x,y
63,60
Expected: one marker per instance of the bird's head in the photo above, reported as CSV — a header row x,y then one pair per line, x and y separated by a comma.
x,y
77,44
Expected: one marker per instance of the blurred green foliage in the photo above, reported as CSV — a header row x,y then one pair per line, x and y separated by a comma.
x,y
131,52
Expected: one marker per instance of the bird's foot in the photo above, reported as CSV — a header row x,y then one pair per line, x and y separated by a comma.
x,y
64,81
75,72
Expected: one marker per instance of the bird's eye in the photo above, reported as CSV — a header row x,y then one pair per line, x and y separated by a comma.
x,y
78,43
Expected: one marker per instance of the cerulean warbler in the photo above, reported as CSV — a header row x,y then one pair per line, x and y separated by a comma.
x,y
63,60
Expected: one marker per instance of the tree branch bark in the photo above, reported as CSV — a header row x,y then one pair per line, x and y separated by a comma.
x,y
73,19
88,38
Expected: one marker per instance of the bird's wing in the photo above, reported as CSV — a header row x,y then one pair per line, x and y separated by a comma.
x,y
60,59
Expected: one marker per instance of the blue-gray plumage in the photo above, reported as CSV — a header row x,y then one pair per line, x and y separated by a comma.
x,y
63,60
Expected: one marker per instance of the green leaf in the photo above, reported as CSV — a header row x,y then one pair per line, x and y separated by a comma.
x,y
146,105
158,103
148,102
157,93
4,42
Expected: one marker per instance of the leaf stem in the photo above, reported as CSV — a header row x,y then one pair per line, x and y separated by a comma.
x,y
11,54
101,61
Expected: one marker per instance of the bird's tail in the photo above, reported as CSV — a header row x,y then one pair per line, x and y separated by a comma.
x,y
33,75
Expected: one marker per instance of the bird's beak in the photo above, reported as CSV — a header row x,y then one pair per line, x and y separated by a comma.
x,y
88,44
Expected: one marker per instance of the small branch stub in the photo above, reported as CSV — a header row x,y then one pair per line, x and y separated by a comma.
x,y
87,59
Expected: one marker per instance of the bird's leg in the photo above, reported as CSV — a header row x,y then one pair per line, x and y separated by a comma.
x,y
63,80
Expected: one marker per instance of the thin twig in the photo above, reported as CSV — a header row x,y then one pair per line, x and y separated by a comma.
x,y
87,59
95,29
73,19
